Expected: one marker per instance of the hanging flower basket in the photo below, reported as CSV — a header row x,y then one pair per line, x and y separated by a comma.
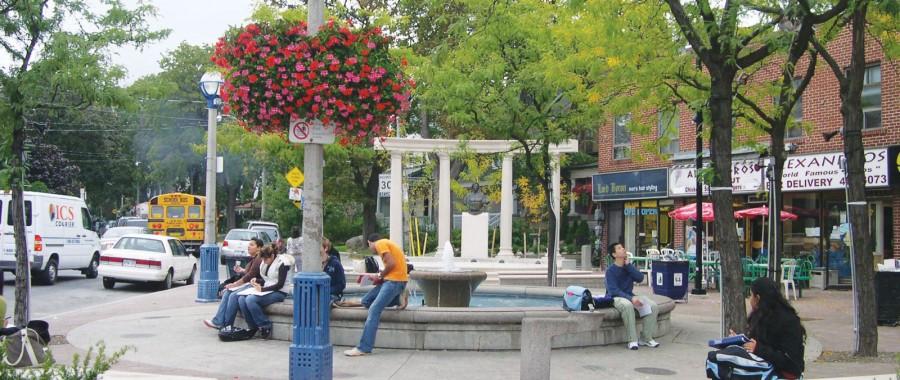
x,y
343,77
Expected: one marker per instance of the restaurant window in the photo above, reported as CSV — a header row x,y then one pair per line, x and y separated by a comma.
x,y
622,138
871,98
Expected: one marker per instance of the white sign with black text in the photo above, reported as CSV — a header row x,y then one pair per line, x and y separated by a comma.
x,y
384,185
823,171
746,177
310,132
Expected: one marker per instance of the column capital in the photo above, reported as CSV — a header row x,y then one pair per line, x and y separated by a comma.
x,y
443,155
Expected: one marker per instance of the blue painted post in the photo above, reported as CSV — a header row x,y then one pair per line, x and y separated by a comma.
x,y
311,349
208,287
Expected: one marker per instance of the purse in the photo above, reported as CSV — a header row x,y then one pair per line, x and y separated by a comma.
x,y
25,348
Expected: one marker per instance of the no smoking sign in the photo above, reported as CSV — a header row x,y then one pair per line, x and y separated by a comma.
x,y
309,132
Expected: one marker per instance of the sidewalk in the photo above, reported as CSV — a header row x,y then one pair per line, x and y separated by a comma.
x,y
169,340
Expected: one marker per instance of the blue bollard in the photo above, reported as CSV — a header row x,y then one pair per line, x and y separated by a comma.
x,y
208,286
311,349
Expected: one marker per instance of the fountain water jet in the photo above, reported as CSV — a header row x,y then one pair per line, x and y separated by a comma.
x,y
449,287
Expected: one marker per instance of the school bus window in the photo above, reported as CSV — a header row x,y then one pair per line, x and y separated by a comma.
x,y
194,212
175,212
156,212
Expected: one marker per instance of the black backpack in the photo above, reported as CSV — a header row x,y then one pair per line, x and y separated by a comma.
x,y
234,334
371,265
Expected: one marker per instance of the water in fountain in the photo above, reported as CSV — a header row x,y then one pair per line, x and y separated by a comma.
x,y
447,258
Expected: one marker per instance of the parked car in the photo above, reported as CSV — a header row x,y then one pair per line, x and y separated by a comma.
x,y
147,258
130,221
112,235
269,227
234,247
57,232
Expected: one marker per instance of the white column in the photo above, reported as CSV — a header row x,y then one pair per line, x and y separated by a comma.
x,y
445,215
506,207
556,196
572,199
396,227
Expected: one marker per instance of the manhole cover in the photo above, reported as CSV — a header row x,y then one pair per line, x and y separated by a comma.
x,y
594,368
138,335
56,340
655,371
157,317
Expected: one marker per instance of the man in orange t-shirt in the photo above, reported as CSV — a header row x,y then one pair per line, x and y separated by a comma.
x,y
390,292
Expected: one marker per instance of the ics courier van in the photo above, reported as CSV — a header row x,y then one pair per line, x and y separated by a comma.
x,y
57,229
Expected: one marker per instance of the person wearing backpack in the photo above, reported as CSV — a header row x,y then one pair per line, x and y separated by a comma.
x,y
620,280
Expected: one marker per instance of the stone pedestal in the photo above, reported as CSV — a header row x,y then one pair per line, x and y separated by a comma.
x,y
474,236
448,289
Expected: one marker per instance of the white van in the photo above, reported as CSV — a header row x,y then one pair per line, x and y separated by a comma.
x,y
58,234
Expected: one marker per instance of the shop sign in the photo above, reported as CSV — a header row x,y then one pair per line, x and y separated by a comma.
x,y
746,177
894,165
630,185
823,171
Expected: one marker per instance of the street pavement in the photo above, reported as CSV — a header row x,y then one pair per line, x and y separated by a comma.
x,y
167,338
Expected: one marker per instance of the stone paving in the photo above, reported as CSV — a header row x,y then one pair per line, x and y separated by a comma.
x,y
165,330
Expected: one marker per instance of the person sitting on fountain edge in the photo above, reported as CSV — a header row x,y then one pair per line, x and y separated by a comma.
x,y
390,291
620,279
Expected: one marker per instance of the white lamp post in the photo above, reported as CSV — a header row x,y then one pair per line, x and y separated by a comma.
x,y
210,84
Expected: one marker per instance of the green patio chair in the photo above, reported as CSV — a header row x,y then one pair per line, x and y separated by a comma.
x,y
804,271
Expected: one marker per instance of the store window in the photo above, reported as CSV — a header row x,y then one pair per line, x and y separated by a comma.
x,y
646,227
622,138
871,98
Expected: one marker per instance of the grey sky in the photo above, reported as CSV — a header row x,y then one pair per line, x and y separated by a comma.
x,y
193,21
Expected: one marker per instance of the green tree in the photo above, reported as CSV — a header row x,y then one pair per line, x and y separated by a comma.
x,y
46,56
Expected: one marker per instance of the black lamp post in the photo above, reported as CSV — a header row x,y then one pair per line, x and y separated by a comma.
x,y
698,276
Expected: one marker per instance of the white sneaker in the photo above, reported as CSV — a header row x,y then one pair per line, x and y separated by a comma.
x,y
210,324
355,352
650,343
633,346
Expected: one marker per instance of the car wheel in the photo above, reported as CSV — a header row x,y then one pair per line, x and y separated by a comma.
x,y
48,275
167,283
190,279
91,271
109,282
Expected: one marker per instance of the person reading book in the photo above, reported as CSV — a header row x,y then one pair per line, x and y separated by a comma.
x,y
776,339
620,279
228,307
270,287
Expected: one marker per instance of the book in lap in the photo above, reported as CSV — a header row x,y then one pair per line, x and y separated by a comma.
x,y
645,308
734,340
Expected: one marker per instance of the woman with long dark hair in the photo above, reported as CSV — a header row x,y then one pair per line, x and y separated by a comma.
x,y
776,339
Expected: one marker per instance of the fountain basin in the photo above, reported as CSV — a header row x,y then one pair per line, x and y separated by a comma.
x,y
464,328
448,289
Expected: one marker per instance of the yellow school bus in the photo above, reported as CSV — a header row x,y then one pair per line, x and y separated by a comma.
x,y
180,216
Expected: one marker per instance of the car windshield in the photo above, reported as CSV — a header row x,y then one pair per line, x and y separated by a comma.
x,y
141,244
240,235
119,231
269,230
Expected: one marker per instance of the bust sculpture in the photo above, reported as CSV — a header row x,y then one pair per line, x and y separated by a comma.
x,y
475,200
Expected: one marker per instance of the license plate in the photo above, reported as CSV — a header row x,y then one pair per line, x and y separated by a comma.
x,y
128,263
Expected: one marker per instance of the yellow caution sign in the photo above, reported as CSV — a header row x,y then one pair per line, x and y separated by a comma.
x,y
294,177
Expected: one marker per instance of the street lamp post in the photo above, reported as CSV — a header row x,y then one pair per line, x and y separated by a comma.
x,y
698,245
207,289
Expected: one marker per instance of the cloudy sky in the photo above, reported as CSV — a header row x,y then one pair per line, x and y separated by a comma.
x,y
193,21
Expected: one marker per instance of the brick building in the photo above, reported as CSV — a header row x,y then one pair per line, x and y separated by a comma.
x,y
636,186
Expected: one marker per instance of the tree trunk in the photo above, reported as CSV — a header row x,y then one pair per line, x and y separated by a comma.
x,y
547,185
370,221
777,151
23,271
851,113
720,105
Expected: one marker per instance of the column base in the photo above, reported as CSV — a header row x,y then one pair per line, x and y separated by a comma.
x,y
311,362
505,252
208,285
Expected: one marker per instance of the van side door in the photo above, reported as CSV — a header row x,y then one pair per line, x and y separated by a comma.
x,y
90,240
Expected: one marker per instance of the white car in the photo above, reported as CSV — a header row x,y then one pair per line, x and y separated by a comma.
x,y
268,227
147,258
112,235
234,247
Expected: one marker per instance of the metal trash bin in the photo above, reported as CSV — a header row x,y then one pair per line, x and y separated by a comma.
x,y
670,278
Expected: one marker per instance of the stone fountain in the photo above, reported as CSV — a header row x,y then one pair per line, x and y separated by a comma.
x,y
449,287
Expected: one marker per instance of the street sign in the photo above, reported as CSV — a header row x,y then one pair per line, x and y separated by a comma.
x,y
294,177
295,194
384,185
309,132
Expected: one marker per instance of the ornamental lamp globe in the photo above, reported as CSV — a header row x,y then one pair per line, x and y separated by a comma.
x,y
210,84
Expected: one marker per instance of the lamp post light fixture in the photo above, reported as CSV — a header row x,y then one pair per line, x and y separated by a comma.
x,y
699,244
207,289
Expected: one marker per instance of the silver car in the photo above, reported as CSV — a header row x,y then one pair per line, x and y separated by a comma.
x,y
234,247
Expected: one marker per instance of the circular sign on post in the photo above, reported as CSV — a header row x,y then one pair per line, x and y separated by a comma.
x,y
300,131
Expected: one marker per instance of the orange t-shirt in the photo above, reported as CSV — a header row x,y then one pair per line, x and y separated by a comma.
x,y
386,247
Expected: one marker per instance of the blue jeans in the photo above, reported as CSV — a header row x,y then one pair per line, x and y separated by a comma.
x,y
252,308
376,300
227,309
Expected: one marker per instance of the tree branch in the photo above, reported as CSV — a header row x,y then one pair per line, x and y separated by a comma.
x,y
684,23
755,107
832,63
